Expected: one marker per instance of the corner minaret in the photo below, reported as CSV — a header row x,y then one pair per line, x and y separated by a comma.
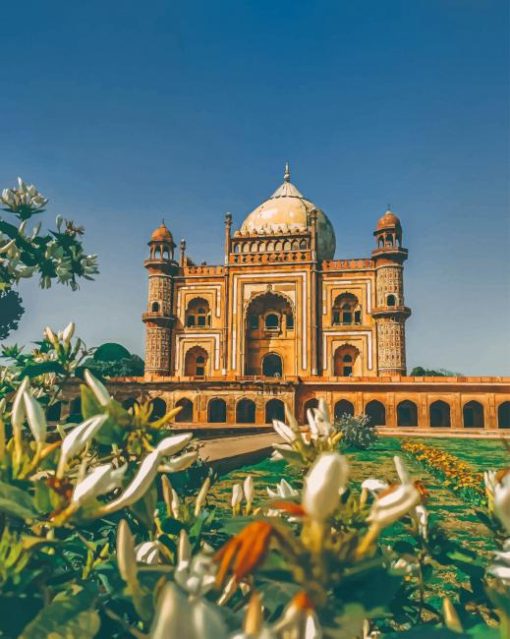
x,y
159,317
390,312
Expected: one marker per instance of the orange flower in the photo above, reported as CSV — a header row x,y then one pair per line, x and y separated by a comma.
x,y
244,552
289,507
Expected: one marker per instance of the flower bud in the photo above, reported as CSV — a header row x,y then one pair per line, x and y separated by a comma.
x,y
322,486
237,497
126,556
99,389
36,418
173,444
201,497
68,332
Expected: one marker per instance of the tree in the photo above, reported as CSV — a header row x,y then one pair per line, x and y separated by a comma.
x,y
114,360
419,371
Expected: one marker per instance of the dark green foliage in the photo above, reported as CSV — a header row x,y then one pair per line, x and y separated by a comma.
x,y
419,371
11,310
357,431
114,360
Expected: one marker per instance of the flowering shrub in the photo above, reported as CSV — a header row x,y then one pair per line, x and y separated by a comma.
x,y
357,431
454,472
56,255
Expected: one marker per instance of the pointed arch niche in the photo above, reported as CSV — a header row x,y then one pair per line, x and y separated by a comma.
x,y
269,329
346,361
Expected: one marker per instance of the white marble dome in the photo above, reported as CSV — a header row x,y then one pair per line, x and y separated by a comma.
x,y
288,210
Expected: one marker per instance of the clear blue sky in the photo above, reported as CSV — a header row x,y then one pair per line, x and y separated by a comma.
x,y
125,112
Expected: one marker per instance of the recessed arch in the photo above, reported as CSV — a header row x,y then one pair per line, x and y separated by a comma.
x,y
275,409
158,409
54,412
504,415
313,402
196,362
376,412
272,365
346,310
245,411
439,412
472,415
186,412
407,413
345,358
217,411
198,313
343,407
75,410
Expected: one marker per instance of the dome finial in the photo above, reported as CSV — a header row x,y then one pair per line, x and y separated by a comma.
x,y
286,175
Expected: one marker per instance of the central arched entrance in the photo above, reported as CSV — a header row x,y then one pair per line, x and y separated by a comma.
x,y
269,327
272,365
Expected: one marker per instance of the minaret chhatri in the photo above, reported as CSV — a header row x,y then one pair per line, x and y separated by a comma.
x,y
390,312
159,317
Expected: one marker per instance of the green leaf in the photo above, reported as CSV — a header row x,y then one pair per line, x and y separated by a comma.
x,y
34,370
89,404
16,502
69,616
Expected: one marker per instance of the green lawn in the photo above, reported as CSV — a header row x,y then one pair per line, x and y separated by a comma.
x,y
444,505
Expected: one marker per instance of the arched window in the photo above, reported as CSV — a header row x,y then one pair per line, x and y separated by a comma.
x,y
343,407
155,307
472,414
198,313
504,415
376,412
272,322
391,300
290,321
129,403
158,409
344,360
217,411
407,414
186,413
440,415
389,240
195,362
303,245
275,409
245,411
53,412
272,365
346,310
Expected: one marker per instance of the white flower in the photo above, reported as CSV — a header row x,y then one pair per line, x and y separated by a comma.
x,y
237,497
50,336
18,406
285,432
502,501
68,332
100,392
36,418
489,478
177,616
138,487
180,463
422,518
100,481
299,620
149,552
319,422
501,566
173,444
283,490
126,556
196,575
394,504
401,470
201,497
249,492
77,439
175,505
322,485
374,486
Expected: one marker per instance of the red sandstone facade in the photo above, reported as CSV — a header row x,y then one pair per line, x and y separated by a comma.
x,y
282,322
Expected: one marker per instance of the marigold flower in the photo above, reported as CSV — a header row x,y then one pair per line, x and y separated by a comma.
x,y
244,552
